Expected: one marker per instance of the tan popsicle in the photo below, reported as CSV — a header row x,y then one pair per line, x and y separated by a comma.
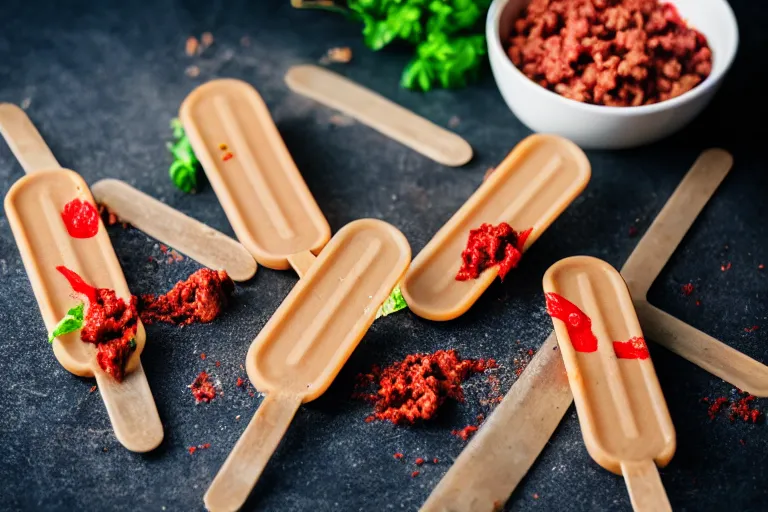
x,y
623,415
198,241
33,206
540,177
379,113
262,192
298,353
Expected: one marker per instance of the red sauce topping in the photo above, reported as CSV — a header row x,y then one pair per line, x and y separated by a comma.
x,y
576,321
81,219
201,298
202,388
489,246
635,348
109,323
414,389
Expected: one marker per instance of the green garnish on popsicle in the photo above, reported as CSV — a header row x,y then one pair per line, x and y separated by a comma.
x,y
395,302
71,322
186,167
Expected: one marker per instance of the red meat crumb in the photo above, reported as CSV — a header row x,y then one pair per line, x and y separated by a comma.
x,y
465,433
201,298
419,461
490,246
202,388
616,53
687,289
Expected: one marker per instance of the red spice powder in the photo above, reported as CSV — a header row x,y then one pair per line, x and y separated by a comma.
x,y
435,460
398,456
109,323
204,446
760,267
752,329
240,382
687,289
419,461
716,407
192,449
466,432
202,388
415,474
618,53
490,246
414,389
81,219
201,298
742,409
725,267
93,388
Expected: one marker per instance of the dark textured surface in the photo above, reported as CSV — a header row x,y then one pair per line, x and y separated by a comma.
x,y
102,83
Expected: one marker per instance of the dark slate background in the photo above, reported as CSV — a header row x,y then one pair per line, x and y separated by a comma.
x,y
101,80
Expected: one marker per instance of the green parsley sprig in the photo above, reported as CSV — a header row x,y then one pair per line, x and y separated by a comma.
x,y
71,322
448,36
185,169
395,302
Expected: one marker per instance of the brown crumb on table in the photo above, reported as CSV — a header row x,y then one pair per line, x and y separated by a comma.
x,y
206,40
192,71
192,46
337,55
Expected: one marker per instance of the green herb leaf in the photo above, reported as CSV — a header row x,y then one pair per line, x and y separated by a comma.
x,y
186,167
395,302
132,343
71,322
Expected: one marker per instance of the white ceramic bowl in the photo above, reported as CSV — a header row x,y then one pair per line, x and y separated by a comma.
x,y
598,126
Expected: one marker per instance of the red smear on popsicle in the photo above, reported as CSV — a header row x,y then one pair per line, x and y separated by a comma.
x,y
81,219
635,348
77,283
576,321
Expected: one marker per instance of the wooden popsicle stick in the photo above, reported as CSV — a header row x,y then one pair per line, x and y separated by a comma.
x,y
646,492
479,478
705,351
674,220
240,472
301,262
200,242
25,141
379,113
131,409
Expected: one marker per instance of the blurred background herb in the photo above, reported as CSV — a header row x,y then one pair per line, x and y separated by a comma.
x,y
448,35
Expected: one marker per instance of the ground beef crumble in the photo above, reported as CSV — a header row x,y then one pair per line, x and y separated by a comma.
x,y
609,52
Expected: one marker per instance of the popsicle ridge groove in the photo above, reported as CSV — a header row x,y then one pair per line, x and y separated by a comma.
x,y
618,391
247,161
531,190
333,302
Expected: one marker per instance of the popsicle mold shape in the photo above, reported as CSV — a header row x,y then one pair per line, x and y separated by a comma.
x,y
303,346
260,189
623,415
532,186
33,206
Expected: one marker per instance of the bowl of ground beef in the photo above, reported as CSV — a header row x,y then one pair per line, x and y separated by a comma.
x,y
610,74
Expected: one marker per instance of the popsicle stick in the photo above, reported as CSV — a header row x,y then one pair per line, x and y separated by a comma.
x,y
703,350
674,220
25,141
131,410
500,454
240,472
202,243
479,479
301,262
379,113
646,491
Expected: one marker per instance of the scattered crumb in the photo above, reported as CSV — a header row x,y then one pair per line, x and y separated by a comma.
x,y
218,364
192,46
206,40
698,302
453,122
237,418
752,329
632,231
202,356
415,474
204,446
192,71
419,461
435,460
725,267
192,449
398,456
240,382
25,103
227,156
341,120
105,449
465,433
760,267
742,442
93,388
535,495
687,289
245,41
340,55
